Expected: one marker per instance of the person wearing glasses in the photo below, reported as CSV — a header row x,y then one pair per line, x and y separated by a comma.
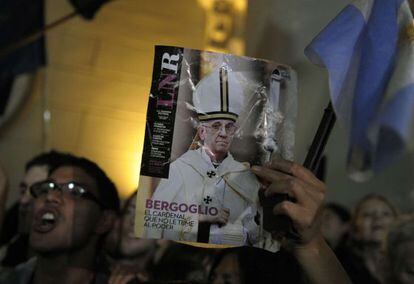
x,y
224,190
72,211
18,218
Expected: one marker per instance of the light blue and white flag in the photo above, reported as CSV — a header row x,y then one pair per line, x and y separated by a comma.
x,y
368,51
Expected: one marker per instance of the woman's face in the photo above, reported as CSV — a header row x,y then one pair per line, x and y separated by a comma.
x,y
372,220
130,245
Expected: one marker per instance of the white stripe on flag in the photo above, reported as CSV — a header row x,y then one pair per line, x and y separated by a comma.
x,y
369,54
364,6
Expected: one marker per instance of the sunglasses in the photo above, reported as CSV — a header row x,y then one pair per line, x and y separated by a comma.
x,y
72,188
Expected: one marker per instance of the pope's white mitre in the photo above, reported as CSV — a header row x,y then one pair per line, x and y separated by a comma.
x,y
220,95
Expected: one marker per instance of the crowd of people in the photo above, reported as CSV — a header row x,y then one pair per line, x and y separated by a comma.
x,y
69,227
374,243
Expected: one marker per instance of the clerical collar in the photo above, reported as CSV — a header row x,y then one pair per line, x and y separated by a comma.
x,y
216,164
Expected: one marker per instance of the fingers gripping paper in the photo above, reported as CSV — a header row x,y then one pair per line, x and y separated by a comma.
x,y
210,116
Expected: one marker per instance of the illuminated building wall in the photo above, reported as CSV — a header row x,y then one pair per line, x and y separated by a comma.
x,y
98,77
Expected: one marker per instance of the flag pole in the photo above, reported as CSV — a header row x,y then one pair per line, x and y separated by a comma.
x,y
320,139
7,50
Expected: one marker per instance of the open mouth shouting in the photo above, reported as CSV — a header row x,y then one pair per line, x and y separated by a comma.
x,y
45,220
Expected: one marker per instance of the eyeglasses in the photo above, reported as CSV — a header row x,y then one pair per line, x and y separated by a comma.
x,y
230,127
74,189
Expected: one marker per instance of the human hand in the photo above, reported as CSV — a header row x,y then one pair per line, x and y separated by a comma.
x,y
284,177
221,218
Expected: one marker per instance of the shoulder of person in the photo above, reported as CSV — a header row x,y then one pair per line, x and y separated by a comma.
x,y
21,274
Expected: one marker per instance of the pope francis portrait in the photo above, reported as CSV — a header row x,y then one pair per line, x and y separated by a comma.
x,y
224,190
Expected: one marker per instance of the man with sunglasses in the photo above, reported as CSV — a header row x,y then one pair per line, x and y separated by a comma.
x,y
208,176
72,211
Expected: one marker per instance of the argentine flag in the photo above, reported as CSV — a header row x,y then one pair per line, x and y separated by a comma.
x,y
368,52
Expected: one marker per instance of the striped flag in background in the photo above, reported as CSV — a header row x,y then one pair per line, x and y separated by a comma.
x,y
369,54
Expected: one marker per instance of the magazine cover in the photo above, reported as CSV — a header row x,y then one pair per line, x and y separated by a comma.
x,y
210,117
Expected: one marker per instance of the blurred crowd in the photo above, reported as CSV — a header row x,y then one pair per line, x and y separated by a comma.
x,y
69,227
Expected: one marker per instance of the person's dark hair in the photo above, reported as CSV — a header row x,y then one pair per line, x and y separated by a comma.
x,y
340,211
261,266
108,193
50,159
182,264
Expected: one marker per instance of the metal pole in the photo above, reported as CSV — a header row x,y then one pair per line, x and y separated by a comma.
x,y
7,50
320,139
